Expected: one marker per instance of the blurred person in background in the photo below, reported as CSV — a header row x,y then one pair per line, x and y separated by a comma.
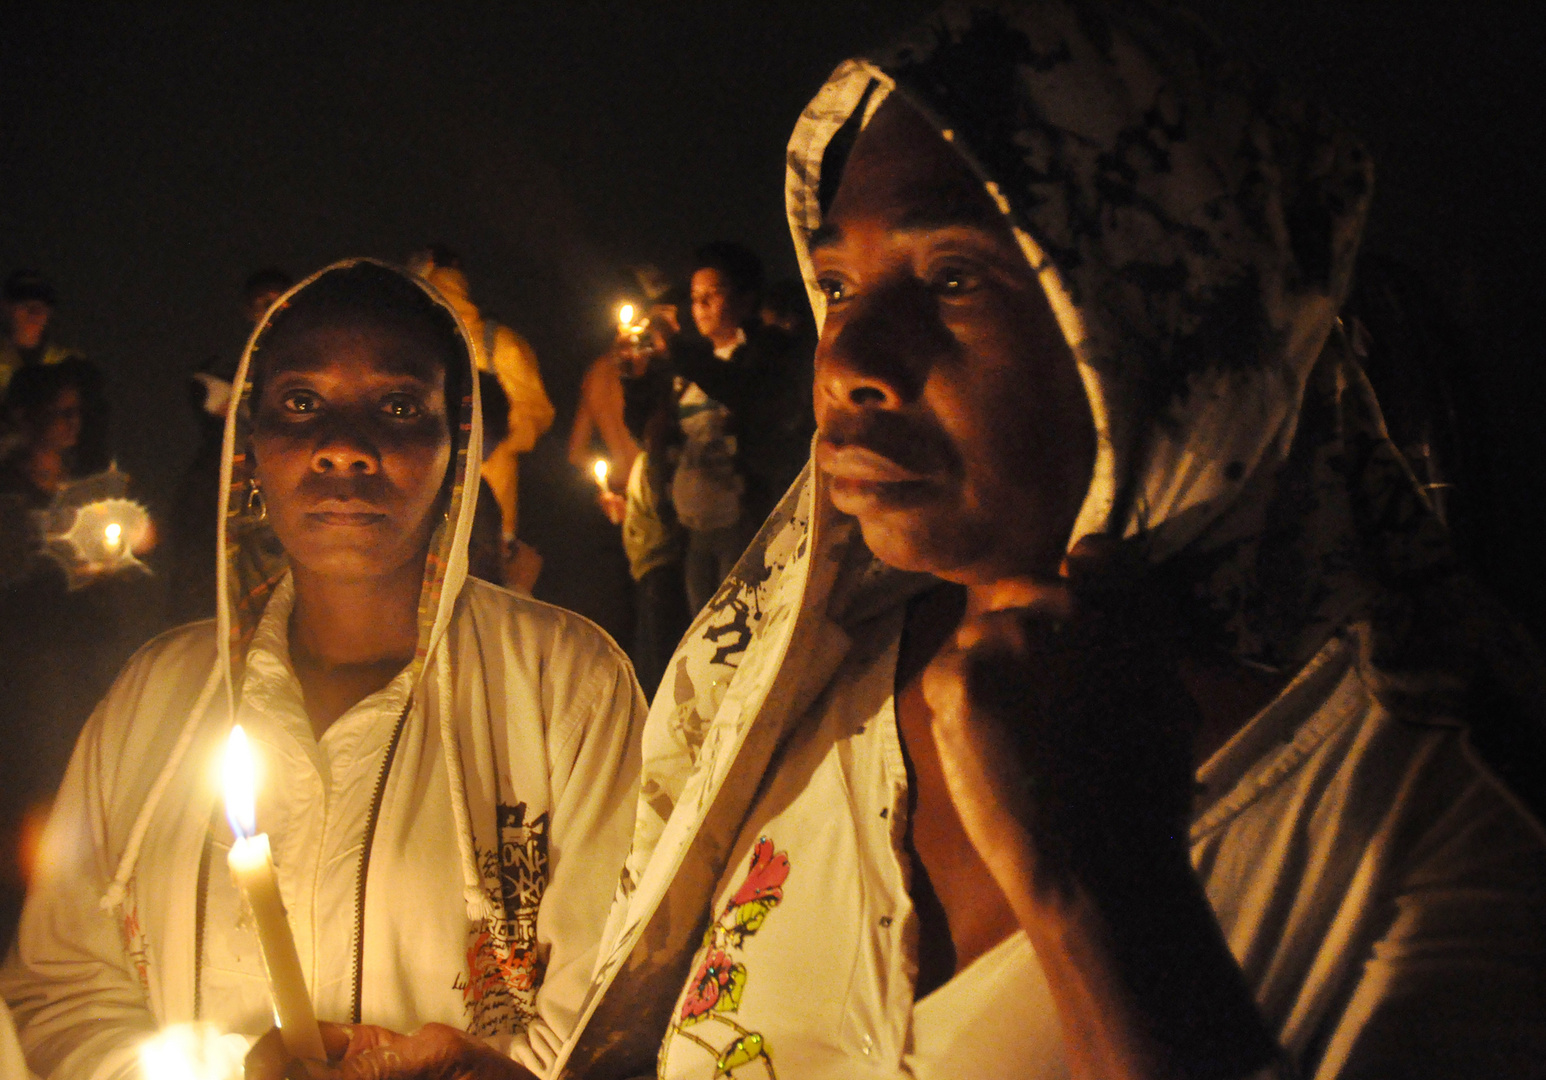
x,y
513,564
29,302
600,411
45,407
28,341
744,408
190,547
505,353
653,538
600,414
61,635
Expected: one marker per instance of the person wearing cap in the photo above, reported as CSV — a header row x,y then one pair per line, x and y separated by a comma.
x,y
29,309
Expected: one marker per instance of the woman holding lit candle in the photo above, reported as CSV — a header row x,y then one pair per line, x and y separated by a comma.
x,y
444,772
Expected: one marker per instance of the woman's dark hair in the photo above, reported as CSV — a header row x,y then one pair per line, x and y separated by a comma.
x,y
736,263
34,389
371,293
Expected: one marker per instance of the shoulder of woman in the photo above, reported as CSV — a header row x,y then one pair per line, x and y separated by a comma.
x,y
135,725
560,641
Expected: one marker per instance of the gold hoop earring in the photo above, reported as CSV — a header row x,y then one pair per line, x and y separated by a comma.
x,y
256,507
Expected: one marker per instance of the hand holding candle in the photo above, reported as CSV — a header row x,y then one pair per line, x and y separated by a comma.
x,y
252,868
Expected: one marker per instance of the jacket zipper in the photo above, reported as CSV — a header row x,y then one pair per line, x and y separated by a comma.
x,y
201,900
370,836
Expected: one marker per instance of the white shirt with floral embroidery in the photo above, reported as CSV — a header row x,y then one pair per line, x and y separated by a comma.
x,y
1374,881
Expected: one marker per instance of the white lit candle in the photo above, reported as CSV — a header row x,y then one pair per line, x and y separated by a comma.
x,y
252,868
601,468
625,316
112,538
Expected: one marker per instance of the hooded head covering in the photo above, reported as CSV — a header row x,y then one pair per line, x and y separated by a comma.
x,y
1194,230
253,562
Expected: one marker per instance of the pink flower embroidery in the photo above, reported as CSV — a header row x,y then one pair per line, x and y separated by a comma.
x,y
765,880
715,985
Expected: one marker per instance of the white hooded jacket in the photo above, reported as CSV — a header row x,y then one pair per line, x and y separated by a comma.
x,y
447,851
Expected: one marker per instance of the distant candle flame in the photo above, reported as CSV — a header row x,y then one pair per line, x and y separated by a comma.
x,y
113,533
239,781
625,316
601,468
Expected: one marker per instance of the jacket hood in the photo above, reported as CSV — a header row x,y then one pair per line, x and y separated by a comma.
x,y
253,561
1194,229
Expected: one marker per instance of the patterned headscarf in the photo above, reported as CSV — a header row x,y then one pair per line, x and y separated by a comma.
x,y
1195,231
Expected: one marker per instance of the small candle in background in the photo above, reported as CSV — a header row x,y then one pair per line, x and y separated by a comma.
x,y
112,538
252,868
601,468
625,316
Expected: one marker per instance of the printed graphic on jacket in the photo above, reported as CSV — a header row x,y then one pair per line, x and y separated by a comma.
x,y
504,970
714,992
132,932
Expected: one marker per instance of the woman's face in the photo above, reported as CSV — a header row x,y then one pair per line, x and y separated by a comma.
x,y
60,426
351,445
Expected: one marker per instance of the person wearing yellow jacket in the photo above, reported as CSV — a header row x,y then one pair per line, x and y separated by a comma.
x,y
510,357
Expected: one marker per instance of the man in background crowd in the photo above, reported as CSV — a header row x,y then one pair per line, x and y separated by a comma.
x,y
745,415
600,413
653,538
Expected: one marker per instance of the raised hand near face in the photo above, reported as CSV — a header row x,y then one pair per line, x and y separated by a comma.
x,y
1063,729
1065,735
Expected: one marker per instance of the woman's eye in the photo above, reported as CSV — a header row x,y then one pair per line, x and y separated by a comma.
x,y
953,280
300,401
833,289
400,407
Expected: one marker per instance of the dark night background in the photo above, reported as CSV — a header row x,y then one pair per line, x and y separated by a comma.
x,y
151,157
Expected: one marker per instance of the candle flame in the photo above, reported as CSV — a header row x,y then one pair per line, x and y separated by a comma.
x,y
196,1051
239,781
625,316
112,533
601,469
